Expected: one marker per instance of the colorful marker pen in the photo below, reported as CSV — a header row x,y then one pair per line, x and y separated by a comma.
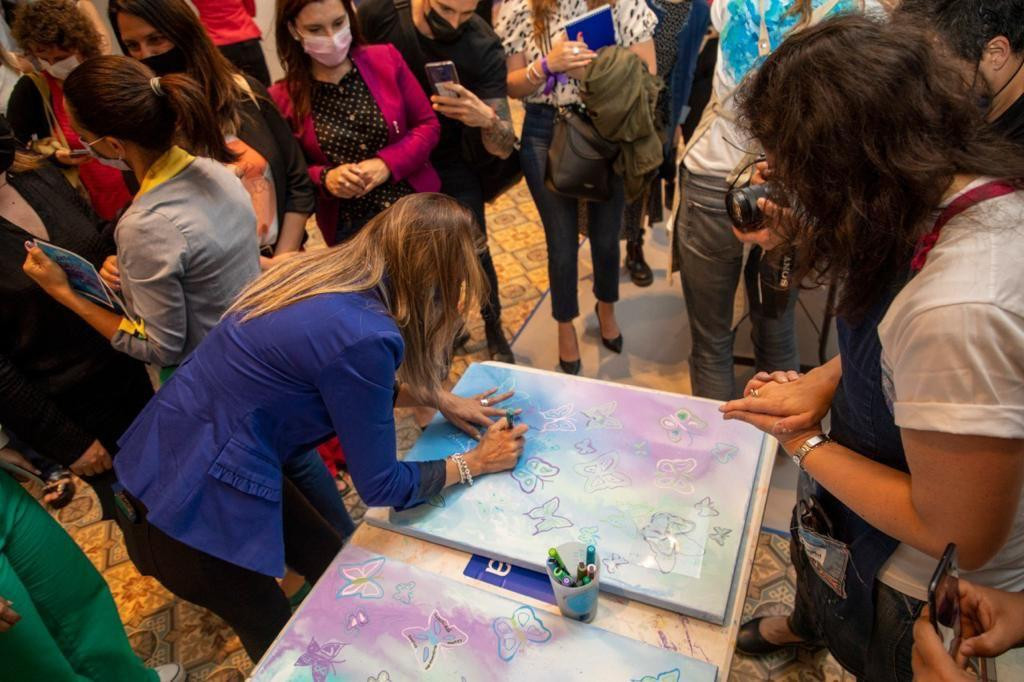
x,y
591,554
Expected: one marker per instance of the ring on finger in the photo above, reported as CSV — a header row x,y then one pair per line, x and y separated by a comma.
x,y
576,49
754,393
485,402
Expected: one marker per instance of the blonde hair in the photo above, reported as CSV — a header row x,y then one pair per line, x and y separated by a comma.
x,y
421,252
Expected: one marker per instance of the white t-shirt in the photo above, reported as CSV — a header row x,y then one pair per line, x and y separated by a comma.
x,y
721,148
953,359
634,23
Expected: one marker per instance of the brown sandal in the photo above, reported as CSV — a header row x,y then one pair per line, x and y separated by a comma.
x,y
59,482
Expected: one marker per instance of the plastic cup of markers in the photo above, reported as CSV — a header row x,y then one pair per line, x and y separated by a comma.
x,y
578,603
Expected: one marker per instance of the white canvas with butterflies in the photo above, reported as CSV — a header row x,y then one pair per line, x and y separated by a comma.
x,y
658,481
375,619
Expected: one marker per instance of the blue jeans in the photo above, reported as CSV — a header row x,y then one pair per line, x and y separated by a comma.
x,y
309,474
560,216
711,259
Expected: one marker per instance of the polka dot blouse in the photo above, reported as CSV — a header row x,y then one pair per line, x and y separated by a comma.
x,y
351,128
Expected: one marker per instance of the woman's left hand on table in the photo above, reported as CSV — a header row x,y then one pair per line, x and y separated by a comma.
x,y
470,414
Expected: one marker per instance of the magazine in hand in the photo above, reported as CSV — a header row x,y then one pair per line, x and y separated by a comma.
x,y
82,276
597,27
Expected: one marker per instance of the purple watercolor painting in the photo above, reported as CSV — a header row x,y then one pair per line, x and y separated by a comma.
x,y
426,627
660,481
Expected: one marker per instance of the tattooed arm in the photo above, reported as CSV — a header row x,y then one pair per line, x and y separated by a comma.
x,y
500,138
491,116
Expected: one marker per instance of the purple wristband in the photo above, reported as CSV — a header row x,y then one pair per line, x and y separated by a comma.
x,y
553,78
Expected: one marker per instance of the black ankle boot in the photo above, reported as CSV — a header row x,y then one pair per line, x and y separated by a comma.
x,y
497,344
639,270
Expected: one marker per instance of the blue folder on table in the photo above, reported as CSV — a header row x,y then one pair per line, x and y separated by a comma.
x,y
597,27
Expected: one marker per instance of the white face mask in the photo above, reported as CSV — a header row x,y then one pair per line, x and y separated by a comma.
x,y
119,164
62,69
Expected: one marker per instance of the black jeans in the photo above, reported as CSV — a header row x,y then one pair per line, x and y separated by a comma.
x,y
248,57
250,602
461,182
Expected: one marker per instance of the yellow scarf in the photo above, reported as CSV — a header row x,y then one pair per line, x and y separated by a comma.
x,y
173,161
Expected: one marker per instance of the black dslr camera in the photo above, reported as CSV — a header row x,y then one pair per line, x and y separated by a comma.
x,y
741,203
768,274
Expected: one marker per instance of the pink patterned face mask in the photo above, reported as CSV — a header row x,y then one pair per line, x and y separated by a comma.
x,y
329,50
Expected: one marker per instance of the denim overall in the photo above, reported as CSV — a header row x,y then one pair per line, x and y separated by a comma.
x,y
836,575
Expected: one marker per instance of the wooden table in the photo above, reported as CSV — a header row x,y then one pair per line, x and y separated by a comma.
x,y
658,627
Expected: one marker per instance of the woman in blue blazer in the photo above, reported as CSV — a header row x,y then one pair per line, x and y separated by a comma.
x,y
311,349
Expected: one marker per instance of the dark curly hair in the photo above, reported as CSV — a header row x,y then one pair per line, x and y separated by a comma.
x,y
56,22
866,127
968,25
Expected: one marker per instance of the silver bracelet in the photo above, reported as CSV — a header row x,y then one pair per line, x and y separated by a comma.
x,y
530,71
465,477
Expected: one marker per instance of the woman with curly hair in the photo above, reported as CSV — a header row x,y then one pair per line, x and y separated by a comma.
x,y
60,37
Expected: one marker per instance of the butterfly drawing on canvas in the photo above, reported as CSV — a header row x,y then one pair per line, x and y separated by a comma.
x,y
613,561
461,441
403,592
724,452
320,658
534,473
600,473
589,535
382,676
666,536
547,518
673,675
720,535
439,634
706,508
509,384
585,447
675,474
674,431
689,421
641,448
558,418
600,417
514,633
359,579
357,620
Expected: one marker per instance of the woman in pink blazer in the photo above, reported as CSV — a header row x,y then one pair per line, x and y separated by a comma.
x,y
358,112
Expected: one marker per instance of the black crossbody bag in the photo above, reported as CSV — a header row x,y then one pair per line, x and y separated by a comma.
x,y
580,160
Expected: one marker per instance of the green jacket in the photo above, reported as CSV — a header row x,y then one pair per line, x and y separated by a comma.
x,y
621,96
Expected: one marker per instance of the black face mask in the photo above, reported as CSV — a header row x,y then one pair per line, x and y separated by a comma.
x,y
172,61
443,31
7,145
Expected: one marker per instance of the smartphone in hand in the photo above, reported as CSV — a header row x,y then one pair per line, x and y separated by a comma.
x,y
442,74
944,600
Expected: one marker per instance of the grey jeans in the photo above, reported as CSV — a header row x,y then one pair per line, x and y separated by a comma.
x,y
711,260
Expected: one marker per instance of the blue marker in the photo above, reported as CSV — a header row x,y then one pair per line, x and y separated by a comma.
x,y
591,554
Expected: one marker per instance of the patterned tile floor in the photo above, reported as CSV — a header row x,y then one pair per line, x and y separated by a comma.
x,y
163,628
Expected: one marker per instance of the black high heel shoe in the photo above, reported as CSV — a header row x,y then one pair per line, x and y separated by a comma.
x,y
570,366
750,641
614,345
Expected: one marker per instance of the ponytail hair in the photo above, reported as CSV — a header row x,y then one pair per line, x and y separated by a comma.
x,y
121,97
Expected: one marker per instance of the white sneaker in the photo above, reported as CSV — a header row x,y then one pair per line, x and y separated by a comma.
x,y
170,672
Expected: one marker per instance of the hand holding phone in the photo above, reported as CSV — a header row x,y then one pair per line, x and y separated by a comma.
x,y
440,75
944,600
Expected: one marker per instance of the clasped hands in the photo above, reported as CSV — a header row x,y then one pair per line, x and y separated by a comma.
x,y
353,180
787,404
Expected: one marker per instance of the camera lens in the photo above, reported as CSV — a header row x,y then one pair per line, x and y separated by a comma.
x,y
741,204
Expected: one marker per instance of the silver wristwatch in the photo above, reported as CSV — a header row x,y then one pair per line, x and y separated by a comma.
x,y
805,449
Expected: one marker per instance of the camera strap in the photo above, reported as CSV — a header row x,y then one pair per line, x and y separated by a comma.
x,y
990,190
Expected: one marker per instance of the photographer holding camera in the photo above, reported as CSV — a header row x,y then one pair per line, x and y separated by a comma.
x,y
709,256
920,222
